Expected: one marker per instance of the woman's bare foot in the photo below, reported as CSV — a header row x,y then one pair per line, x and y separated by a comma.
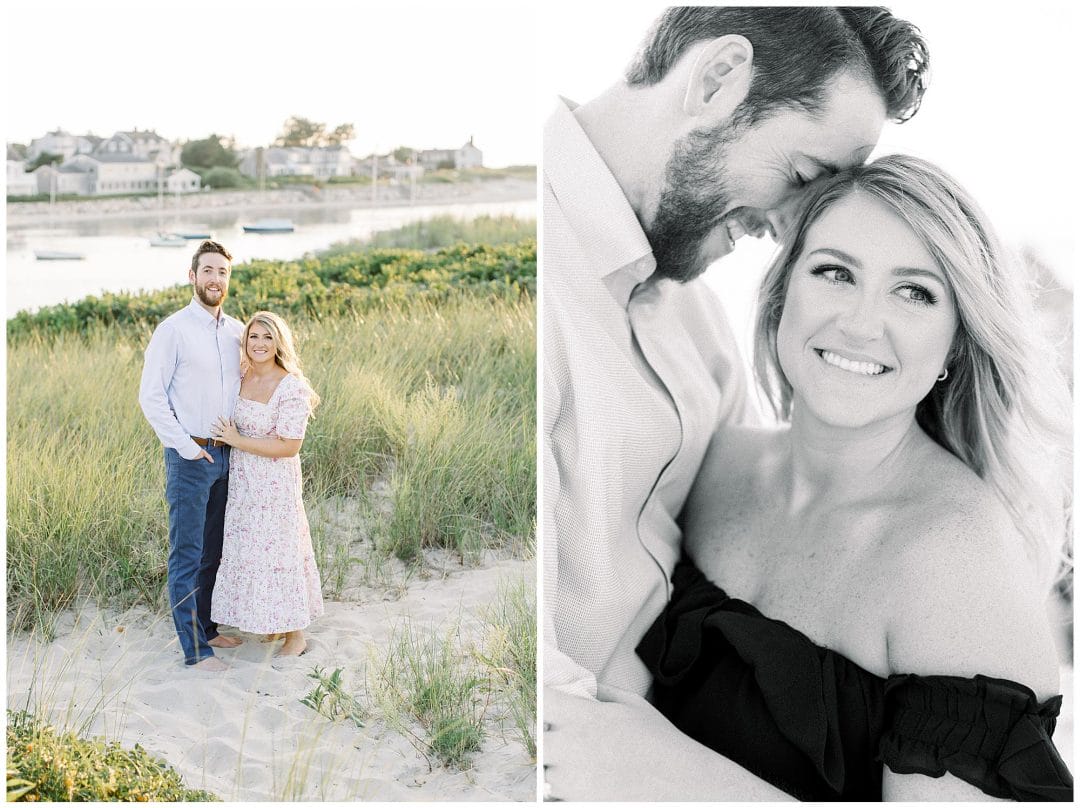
x,y
211,664
221,641
295,644
272,638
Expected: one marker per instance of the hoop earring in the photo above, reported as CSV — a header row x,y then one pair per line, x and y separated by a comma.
x,y
944,375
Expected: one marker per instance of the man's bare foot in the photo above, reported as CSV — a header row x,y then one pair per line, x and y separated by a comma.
x,y
211,664
221,641
272,638
295,644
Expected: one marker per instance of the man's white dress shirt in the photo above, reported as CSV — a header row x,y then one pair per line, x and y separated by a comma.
x,y
638,372
191,375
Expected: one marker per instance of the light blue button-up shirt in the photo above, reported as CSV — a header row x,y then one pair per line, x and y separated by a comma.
x,y
191,375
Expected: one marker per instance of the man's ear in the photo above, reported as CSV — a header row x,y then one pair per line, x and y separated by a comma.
x,y
720,77
191,276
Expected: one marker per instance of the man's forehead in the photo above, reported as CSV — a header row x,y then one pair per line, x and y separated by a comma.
x,y
213,261
854,156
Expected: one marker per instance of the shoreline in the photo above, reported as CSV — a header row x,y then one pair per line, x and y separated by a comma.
x,y
31,214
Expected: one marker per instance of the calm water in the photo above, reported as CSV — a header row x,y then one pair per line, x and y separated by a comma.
x,y
119,256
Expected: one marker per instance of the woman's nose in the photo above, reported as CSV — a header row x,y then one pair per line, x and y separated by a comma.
x,y
860,320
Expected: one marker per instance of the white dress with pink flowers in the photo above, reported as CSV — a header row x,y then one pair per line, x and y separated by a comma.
x,y
268,582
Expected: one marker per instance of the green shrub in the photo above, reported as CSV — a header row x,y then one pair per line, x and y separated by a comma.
x,y
46,766
313,287
222,177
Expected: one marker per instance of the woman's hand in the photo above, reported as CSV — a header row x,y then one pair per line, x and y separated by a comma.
x,y
225,430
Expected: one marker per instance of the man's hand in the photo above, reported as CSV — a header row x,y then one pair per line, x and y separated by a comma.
x,y
203,455
620,748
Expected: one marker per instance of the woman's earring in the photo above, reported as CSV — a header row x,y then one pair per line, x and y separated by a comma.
x,y
944,375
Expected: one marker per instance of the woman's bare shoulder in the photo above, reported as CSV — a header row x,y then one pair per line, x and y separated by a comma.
x,y
963,594
740,452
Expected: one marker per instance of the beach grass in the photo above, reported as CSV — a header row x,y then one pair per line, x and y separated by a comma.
x,y
442,231
428,677
438,398
510,654
425,364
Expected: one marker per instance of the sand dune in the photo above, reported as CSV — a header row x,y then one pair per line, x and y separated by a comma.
x,y
243,734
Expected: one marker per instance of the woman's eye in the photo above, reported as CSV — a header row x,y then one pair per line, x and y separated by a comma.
x,y
834,274
917,295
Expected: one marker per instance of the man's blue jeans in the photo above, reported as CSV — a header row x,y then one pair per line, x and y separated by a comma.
x,y
196,491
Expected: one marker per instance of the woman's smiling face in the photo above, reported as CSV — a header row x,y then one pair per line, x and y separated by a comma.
x,y
868,317
260,344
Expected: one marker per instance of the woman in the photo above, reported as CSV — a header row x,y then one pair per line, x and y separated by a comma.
x,y
268,582
865,602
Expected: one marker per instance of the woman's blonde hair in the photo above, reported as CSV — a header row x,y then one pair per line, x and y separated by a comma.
x,y
1005,408
285,355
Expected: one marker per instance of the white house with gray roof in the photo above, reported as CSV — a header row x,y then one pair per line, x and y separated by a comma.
x,y
468,156
320,162
61,143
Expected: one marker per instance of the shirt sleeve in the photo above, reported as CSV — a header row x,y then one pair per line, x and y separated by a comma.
x,y
560,671
294,409
159,364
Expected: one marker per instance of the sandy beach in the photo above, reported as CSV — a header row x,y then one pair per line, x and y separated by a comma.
x,y
31,214
243,734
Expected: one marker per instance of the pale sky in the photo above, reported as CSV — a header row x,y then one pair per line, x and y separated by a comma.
x,y
426,76
999,114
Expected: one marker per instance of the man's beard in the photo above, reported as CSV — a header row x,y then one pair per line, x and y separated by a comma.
x,y
692,202
200,292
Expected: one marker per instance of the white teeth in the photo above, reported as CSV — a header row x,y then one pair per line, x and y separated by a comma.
x,y
863,368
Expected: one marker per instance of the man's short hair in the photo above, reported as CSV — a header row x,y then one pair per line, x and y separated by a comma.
x,y
209,247
797,52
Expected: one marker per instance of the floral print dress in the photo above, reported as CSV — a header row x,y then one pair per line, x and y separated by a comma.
x,y
268,582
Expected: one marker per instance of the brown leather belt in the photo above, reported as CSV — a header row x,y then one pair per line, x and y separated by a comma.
x,y
208,441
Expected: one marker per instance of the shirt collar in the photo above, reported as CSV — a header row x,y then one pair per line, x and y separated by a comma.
x,y
202,315
595,206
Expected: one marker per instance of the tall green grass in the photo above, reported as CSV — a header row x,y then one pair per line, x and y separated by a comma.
x,y
430,679
442,231
438,397
510,653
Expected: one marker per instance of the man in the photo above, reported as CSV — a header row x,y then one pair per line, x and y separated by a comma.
x,y
723,117
191,376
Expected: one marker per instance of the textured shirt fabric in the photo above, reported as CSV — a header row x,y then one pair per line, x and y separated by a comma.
x,y
638,372
191,376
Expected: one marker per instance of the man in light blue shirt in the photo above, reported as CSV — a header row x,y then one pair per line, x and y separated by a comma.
x,y
191,376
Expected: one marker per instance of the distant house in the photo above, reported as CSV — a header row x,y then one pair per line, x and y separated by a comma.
x,y
67,178
468,156
146,144
183,181
320,162
388,166
19,181
62,143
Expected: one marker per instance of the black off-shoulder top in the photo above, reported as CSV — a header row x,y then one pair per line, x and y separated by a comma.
x,y
816,725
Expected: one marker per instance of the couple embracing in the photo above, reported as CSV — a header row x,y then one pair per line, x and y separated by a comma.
x,y
850,605
230,404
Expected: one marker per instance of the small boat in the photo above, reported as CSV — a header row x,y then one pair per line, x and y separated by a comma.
x,y
168,240
57,255
270,226
195,233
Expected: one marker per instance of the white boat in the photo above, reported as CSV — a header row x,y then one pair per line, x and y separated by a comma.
x,y
270,226
57,255
168,240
